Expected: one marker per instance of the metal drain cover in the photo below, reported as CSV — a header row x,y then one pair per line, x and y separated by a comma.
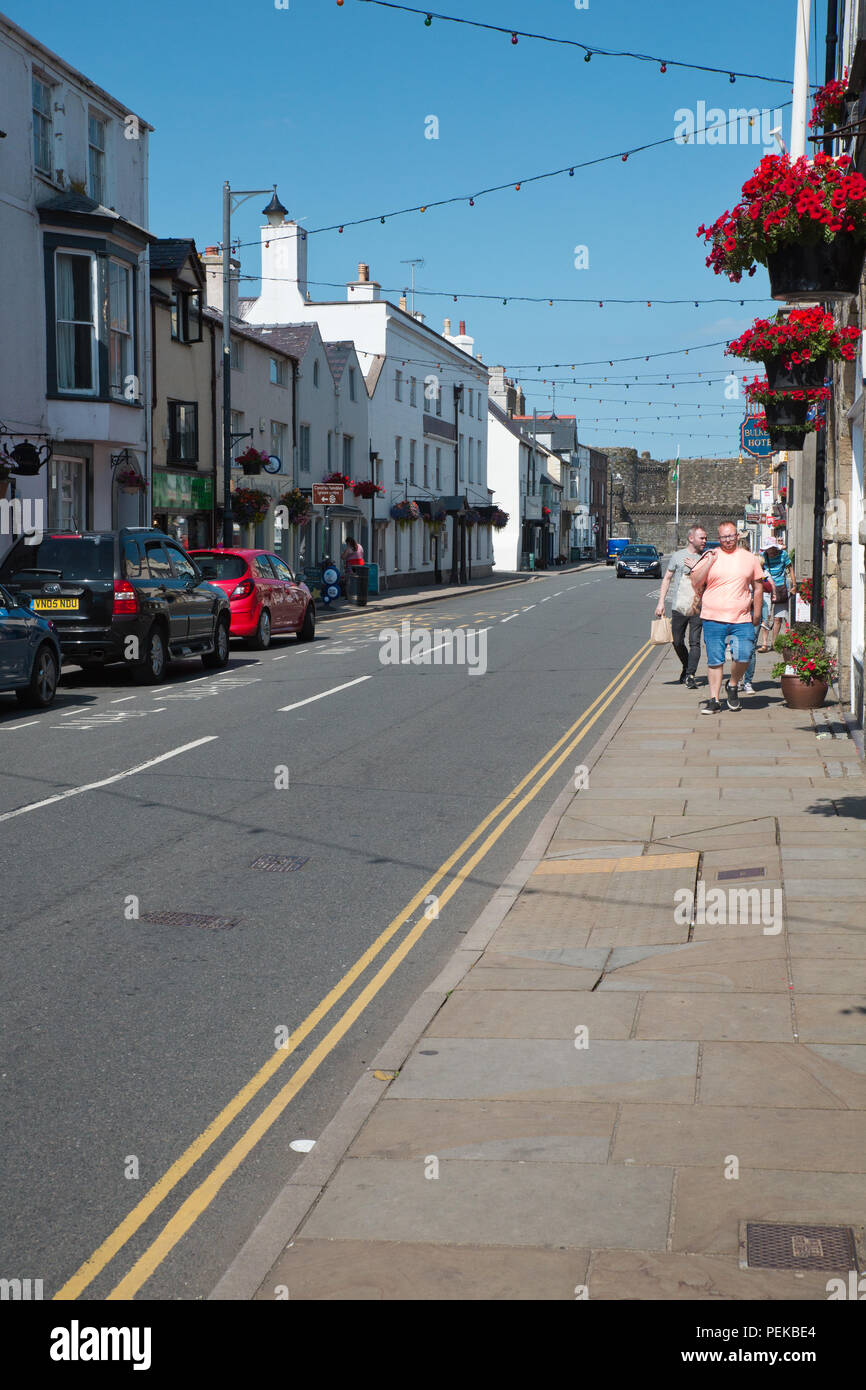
x,y
778,1245
278,863
741,873
189,919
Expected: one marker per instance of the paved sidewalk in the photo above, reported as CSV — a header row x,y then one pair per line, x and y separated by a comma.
x,y
720,1075
405,597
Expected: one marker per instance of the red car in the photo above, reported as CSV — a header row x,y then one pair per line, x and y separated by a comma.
x,y
263,594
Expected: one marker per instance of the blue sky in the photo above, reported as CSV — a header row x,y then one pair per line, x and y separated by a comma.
x,y
330,103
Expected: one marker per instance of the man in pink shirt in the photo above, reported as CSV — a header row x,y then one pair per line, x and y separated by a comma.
x,y
731,592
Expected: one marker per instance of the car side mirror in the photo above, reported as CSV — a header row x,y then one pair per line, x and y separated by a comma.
x,y
25,600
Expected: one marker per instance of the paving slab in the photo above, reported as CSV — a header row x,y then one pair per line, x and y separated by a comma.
x,y
541,970
710,1207
815,976
812,1076
831,1018
495,1203
516,1013
836,946
394,1271
522,1069
647,1275
752,1017
813,1141
751,963
842,889
816,915
521,1131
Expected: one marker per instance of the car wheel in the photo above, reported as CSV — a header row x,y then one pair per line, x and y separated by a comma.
x,y
154,665
307,630
261,639
39,694
220,654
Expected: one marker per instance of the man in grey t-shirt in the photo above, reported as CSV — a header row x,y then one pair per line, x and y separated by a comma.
x,y
684,607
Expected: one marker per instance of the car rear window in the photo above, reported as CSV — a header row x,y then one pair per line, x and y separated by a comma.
x,y
75,557
217,566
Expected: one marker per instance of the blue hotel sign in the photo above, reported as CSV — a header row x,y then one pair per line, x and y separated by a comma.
x,y
755,439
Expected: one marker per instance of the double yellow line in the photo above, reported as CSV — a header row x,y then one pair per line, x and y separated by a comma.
x,y
200,1199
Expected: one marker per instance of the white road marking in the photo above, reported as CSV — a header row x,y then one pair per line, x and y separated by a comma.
x,y
76,710
545,599
12,727
508,620
558,592
279,658
107,781
284,709
124,698
530,606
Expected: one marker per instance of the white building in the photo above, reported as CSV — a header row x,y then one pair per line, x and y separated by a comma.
x,y
74,288
429,439
518,464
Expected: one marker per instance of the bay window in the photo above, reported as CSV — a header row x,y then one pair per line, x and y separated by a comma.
x,y
120,347
75,322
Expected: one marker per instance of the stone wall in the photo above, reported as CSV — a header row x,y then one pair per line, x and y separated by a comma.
x,y
712,490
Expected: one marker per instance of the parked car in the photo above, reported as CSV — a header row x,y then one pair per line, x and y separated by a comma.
x,y
615,546
639,560
265,596
29,651
130,596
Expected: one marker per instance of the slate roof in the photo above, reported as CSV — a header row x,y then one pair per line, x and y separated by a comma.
x,y
81,203
168,254
291,338
253,332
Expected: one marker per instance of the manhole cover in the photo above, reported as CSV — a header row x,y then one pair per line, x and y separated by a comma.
x,y
278,863
189,919
777,1245
741,873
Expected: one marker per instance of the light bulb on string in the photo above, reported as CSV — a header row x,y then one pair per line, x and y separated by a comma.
x,y
517,188
472,202
514,38
663,68
428,21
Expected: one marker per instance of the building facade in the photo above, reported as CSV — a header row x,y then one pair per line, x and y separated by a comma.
x,y
75,381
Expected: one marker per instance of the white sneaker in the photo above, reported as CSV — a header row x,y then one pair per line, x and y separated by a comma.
x,y
747,688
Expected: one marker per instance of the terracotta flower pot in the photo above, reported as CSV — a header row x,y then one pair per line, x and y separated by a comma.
x,y
799,376
825,270
803,695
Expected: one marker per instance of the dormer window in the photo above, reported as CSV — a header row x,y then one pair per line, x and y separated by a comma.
x,y
185,315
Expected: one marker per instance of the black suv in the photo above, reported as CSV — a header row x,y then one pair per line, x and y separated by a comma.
x,y
132,595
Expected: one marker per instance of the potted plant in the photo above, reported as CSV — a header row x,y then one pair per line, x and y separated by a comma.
x,y
498,519
790,437
250,505
338,478
829,105
405,512
367,488
806,669
796,347
471,517
804,220
130,480
298,507
252,460
784,410
436,520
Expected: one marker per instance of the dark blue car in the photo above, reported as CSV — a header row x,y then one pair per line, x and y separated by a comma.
x,y
29,652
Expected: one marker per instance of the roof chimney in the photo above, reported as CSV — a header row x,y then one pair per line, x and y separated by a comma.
x,y
446,326
363,273
462,328
403,300
364,289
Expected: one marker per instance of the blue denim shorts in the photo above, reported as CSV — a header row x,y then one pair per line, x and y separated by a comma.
x,y
742,638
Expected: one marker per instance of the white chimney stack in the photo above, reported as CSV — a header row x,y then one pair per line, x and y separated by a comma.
x,y
362,290
284,274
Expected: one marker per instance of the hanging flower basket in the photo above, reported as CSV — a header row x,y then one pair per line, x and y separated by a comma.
x,y
338,478
436,521
784,410
298,507
499,519
806,221
250,505
130,480
471,517
796,347
252,460
367,489
405,512
829,106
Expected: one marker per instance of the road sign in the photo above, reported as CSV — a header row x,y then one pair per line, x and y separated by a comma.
x,y
755,439
328,494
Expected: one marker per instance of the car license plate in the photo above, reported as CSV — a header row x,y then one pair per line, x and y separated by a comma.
x,y
55,605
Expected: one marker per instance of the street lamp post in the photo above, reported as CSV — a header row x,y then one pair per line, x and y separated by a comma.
x,y
611,479
275,213
458,392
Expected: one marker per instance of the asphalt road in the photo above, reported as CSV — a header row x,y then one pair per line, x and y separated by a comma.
x,y
123,1039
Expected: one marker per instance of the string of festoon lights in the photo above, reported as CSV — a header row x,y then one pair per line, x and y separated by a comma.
x,y
470,199
509,297
589,50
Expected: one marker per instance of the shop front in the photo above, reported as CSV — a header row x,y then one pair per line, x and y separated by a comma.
x,y
183,507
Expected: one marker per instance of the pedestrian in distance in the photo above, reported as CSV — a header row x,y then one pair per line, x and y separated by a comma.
x,y
685,615
779,576
731,591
